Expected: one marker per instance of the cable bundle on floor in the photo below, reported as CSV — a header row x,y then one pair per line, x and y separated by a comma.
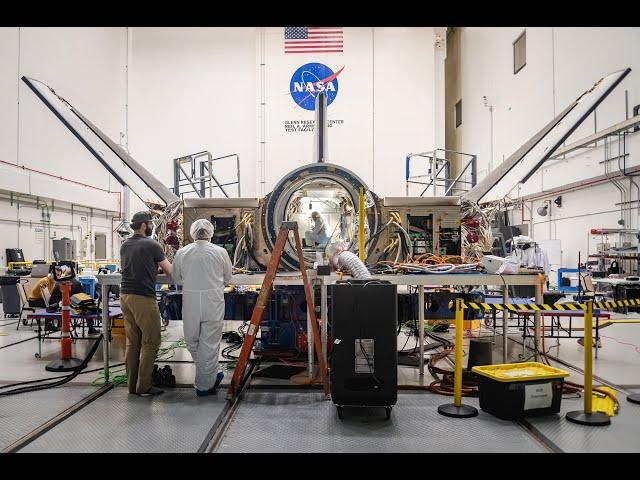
x,y
35,385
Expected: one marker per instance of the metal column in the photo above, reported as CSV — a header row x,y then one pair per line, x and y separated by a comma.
x,y
537,316
505,324
106,328
324,315
421,326
310,345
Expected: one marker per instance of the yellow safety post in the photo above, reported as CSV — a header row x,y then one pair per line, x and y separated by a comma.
x,y
457,371
587,416
361,251
457,409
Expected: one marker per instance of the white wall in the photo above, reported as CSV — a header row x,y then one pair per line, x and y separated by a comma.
x,y
167,92
86,65
193,89
561,64
23,226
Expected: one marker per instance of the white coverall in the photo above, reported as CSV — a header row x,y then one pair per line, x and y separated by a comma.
x,y
318,233
203,269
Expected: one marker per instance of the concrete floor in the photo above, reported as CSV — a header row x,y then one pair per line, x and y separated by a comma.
x,y
617,364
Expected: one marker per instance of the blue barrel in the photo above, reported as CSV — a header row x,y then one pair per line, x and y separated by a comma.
x,y
88,286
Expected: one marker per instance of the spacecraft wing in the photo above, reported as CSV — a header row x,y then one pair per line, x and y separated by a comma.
x,y
125,169
523,163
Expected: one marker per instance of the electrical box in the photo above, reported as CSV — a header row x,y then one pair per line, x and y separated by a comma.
x,y
432,223
64,250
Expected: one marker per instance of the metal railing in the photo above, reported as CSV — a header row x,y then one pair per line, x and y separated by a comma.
x,y
199,175
439,167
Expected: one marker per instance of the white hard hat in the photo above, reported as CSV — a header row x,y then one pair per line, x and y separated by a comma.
x,y
201,229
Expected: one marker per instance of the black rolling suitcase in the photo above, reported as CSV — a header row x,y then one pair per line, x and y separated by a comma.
x,y
364,358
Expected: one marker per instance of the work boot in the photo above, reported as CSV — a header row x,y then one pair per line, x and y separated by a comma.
x,y
168,379
211,391
153,391
219,378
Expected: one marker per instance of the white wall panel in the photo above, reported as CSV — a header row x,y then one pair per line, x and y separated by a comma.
x,y
8,94
561,64
193,89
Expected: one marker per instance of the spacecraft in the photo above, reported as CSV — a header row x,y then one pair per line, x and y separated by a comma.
x,y
394,226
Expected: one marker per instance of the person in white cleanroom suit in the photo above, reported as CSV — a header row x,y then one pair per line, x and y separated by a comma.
x,y
318,233
203,269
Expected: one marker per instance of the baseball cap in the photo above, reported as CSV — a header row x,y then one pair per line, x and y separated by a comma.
x,y
141,217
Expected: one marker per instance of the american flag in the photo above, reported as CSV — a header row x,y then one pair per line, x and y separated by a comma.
x,y
313,39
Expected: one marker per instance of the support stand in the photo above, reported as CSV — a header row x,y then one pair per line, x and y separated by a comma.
x,y
588,416
66,363
457,409
634,398
263,301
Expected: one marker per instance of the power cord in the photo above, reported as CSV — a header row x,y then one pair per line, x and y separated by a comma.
x,y
59,380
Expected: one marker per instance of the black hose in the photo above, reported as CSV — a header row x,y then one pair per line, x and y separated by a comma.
x,y
62,379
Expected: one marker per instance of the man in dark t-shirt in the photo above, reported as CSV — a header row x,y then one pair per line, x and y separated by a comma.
x,y
140,257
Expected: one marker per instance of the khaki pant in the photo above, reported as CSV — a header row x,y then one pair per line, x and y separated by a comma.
x,y
142,329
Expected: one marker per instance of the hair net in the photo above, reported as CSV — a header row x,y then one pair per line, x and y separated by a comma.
x,y
201,229
334,248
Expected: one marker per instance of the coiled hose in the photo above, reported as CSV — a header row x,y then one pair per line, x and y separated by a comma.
x,y
349,261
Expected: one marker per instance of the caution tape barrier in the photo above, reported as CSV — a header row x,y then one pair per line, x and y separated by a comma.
x,y
520,307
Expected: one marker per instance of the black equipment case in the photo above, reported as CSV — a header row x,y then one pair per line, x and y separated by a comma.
x,y
364,360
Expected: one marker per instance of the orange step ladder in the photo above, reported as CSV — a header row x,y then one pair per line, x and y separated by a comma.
x,y
262,302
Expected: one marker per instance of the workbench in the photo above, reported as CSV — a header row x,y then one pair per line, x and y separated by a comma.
x,y
40,315
555,329
422,280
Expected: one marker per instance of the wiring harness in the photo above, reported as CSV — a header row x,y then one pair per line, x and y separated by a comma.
x,y
476,229
242,252
426,263
168,227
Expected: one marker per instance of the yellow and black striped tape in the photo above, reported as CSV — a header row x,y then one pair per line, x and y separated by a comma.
x,y
519,307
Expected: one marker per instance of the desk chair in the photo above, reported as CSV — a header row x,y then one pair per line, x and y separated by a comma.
x,y
589,292
46,296
24,302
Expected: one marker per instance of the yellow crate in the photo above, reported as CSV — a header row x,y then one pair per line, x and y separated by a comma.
x,y
117,328
520,372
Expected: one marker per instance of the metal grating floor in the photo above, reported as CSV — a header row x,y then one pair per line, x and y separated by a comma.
x,y
176,421
268,421
21,414
623,435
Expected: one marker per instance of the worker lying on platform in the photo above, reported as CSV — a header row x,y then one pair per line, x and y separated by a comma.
x,y
203,269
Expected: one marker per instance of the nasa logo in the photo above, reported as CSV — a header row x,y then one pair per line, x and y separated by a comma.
x,y
311,79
